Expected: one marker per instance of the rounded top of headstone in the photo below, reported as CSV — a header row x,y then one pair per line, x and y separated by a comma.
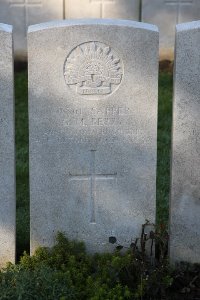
x,y
188,26
86,22
6,27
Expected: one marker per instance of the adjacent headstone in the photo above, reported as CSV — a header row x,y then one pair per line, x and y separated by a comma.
x,y
22,13
185,187
93,121
112,9
166,14
7,152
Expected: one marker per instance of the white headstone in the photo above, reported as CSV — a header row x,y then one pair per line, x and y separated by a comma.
x,y
93,120
7,155
113,9
22,13
166,14
185,188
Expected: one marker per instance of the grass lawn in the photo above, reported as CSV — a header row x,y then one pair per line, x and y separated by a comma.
x,y
164,134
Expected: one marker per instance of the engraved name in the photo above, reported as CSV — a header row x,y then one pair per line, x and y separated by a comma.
x,y
108,116
93,122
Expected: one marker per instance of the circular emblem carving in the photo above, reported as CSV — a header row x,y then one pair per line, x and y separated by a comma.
x,y
93,70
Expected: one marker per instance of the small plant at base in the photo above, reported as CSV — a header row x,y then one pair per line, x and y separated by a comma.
x,y
154,272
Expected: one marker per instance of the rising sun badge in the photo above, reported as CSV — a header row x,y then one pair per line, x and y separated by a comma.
x,y
93,70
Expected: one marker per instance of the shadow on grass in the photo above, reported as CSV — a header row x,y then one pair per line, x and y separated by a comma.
x,y
22,171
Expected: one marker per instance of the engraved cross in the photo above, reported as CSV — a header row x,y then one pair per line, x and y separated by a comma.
x,y
25,5
102,5
92,177
178,4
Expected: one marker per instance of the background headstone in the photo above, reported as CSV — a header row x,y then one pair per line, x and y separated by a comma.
x,y
22,13
110,9
7,155
93,123
185,188
166,14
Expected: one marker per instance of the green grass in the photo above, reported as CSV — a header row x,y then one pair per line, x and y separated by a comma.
x,y
164,144
22,171
164,135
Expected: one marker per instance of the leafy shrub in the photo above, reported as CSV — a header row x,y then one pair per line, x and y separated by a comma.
x,y
67,272
64,272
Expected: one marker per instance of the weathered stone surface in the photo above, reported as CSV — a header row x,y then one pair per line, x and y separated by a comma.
x,y
166,14
185,188
93,120
22,13
7,157
113,9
